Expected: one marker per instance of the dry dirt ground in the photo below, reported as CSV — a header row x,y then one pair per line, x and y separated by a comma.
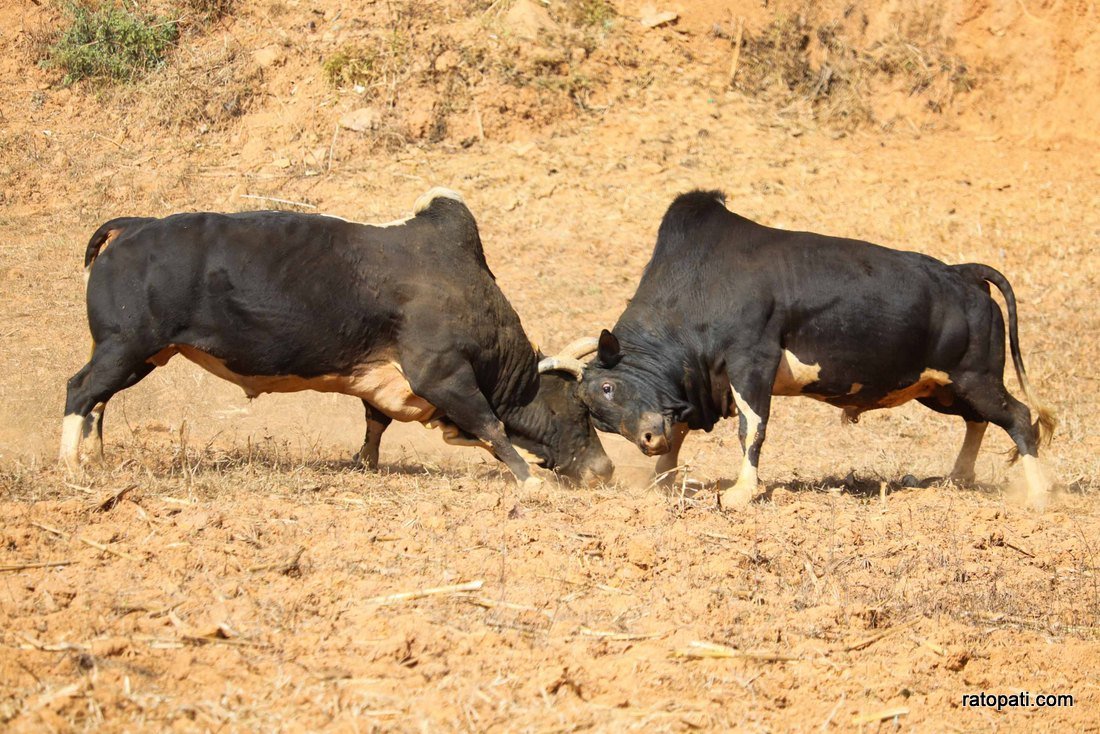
x,y
227,570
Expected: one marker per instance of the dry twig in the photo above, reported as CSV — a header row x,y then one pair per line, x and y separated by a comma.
x,y
892,713
698,649
112,500
623,636
39,564
420,594
868,641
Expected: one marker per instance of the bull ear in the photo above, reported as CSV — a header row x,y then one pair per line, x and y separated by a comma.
x,y
608,351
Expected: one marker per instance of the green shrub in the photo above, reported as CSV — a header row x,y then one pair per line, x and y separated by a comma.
x,y
110,43
351,65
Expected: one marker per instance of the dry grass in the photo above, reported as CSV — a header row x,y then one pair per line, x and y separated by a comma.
x,y
273,567
826,64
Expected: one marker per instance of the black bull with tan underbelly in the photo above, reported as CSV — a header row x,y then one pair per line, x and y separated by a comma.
x,y
406,316
729,313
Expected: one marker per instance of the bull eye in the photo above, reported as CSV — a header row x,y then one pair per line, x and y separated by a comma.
x,y
608,390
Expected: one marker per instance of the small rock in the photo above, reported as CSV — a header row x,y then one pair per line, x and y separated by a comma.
x,y
654,19
269,56
360,120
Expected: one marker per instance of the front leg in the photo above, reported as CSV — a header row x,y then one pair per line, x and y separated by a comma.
x,y
668,463
376,425
752,392
458,397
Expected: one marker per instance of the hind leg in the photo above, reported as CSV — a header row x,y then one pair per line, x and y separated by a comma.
x,y
111,370
963,471
949,404
92,429
377,421
989,398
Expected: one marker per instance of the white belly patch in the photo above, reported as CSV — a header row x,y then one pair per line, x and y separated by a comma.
x,y
793,374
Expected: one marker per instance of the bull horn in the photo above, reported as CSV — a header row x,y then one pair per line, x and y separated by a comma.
x,y
566,364
581,348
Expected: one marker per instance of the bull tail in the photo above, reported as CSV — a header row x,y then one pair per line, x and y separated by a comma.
x,y
1046,422
103,237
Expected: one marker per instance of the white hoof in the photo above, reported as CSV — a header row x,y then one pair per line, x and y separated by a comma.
x,y
737,496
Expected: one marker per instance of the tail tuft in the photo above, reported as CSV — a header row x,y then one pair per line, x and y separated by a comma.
x,y
1046,424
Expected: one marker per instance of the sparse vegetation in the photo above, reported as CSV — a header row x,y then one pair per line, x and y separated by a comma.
x,y
110,43
823,64
365,66
207,11
206,91
595,13
350,66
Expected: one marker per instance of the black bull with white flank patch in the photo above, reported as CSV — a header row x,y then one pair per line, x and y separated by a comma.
x,y
406,316
729,313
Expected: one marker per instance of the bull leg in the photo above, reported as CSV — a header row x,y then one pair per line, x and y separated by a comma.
x,y
752,394
951,404
963,471
667,463
461,400
377,421
989,397
92,431
110,371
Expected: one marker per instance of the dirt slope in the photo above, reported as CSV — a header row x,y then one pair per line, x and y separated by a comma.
x,y
236,588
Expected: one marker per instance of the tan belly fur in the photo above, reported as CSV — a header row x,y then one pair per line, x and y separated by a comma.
x,y
379,380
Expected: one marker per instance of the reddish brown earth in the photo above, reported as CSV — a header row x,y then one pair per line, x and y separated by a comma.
x,y
240,582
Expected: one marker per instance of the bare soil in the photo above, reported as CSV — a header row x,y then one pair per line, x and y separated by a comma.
x,y
244,577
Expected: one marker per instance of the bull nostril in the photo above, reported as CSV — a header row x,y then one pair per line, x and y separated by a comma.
x,y
648,438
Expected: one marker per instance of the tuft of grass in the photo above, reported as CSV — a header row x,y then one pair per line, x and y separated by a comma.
x,y
111,44
351,66
208,11
363,66
593,13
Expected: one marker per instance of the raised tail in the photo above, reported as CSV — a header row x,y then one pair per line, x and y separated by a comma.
x,y
105,235
1046,422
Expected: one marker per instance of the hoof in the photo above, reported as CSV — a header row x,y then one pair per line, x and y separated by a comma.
x,y
736,497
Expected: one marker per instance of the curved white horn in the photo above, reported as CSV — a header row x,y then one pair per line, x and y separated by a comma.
x,y
566,364
581,348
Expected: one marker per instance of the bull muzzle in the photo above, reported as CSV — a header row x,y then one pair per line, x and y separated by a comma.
x,y
652,435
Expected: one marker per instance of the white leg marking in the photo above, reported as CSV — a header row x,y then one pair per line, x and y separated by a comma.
x,y
71,429
94,445
742,491
1038,486
968,454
